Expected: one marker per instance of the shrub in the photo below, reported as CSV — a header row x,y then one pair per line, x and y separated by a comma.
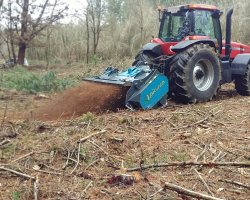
x,y
21,79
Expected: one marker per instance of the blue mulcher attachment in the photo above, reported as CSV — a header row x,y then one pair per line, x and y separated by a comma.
x,y
148,88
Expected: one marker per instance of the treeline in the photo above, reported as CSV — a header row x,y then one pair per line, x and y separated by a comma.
x,y
114,29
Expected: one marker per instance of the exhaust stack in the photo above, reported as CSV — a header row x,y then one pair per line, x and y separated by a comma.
x,y
228,32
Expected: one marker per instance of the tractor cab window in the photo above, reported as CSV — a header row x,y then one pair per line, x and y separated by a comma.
x,y
204,25
176,26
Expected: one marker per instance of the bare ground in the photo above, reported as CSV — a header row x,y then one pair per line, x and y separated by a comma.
x,y
174,134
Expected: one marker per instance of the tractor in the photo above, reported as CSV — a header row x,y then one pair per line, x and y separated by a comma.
x,y
189,59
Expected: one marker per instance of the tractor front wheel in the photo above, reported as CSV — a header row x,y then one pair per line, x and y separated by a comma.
x,y
195,74
242,83
146,56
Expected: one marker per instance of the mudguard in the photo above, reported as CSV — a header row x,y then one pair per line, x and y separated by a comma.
x,y
187,43
240,63
153,47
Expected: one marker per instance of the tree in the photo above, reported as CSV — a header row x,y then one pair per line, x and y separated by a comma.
x,y
95,20
25,25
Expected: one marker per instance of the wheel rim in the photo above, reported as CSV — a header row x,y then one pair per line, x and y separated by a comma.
x,y
203,75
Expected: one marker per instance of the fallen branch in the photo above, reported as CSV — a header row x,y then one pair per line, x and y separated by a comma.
x,y
55,173
36,188
64,167
91,164
217,157
18,173
199,156
236,183
72,160
78,157
29,154
199,122
204,182
105,151
89,136
209,164
89,185
4,142
187,192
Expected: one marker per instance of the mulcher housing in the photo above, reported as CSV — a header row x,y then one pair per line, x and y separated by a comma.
x,y
189,59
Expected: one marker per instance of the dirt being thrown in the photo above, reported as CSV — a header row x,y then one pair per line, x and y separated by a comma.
x,y
87,97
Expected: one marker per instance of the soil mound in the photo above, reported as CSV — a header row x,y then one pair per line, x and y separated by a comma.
x,y
87,97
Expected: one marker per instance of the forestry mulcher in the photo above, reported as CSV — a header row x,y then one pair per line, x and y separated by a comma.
x,y
188,59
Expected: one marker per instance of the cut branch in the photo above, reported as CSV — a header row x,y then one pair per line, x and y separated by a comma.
x,y
18,173
29,154
187,192
204,182
89,136
236,183
4,142
209,164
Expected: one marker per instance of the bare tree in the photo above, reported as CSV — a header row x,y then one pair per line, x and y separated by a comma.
x,y
1,3
95,22
25,25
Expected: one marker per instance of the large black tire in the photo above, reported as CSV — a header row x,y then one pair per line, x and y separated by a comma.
x,y
144,56
195,74
242,83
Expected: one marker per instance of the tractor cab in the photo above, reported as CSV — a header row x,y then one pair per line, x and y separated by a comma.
x,y
189,22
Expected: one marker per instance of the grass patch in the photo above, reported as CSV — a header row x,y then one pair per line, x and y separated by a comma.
x,y
21,79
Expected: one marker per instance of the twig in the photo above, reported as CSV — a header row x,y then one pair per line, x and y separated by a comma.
x,y
235,191
204,182
236,183
89,185
105,151
195,145
142,197
89,136
199,156
91,164
209,164
188,192
53,168
4,142
152,195
4,115
55,173
190,125
78,157
36,188
66,161
52,160
72,160
217,157
18,173
29,154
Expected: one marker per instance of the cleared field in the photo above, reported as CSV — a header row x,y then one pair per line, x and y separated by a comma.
x,y
117,145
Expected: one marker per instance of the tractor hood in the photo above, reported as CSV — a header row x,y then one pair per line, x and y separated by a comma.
x,y
237,48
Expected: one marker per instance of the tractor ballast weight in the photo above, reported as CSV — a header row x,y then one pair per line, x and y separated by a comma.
x,y
189,61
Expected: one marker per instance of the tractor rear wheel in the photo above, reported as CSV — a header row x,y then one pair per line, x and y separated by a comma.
x,y
242,83
195,74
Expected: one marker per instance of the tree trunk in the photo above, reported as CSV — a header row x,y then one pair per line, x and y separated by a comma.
x,y
87,26
23,39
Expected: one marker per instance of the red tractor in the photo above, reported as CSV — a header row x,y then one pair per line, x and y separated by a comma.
x,y
199,61
188,59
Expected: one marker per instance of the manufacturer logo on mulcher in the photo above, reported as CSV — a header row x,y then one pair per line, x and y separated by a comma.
x,y
148,97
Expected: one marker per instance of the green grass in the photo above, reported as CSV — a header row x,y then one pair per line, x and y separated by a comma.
x,y
21,79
